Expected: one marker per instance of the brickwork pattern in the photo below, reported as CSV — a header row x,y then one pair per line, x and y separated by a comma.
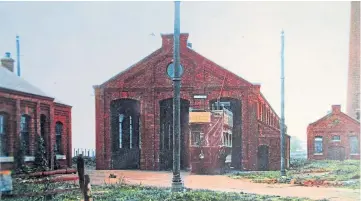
x,y
335,123
15,104
147,82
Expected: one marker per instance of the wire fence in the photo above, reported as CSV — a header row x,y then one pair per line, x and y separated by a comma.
x,y
84,152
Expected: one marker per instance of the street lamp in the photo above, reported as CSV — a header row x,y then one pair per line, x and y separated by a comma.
x,y
282,126
177,184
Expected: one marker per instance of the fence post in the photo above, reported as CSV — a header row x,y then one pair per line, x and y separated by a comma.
x,y
87,189
80,167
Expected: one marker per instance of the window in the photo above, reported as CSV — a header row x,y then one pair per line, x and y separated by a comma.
x,y
196,138
336,138
318,145
227,139
121,118
58,135
3,137
358,115
354,145
24,132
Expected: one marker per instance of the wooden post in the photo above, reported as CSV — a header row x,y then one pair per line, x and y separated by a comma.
x,y
87,189
80,168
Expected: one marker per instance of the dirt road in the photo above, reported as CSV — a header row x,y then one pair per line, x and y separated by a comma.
x,y
223,183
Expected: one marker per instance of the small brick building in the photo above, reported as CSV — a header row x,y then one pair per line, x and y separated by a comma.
x,y
134,112
335,136
26,111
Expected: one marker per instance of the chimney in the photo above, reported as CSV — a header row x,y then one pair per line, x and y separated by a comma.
x,y
8,62
168,40
336,109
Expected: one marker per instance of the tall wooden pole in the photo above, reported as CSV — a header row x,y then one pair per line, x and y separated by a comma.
x,y
177,184
282,126
18,55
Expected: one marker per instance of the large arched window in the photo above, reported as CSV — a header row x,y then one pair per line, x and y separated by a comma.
x,y
318,145
58,136
3,134
25,132
354,144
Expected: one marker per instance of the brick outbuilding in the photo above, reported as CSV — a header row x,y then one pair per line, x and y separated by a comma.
x,y
26,111
335,136
134,113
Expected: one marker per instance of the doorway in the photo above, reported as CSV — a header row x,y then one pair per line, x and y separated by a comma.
x,y
125,118
233,105
166,134
262,156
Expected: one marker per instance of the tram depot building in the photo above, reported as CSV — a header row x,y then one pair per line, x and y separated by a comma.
x,y
134,113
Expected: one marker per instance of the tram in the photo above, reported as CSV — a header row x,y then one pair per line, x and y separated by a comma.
x,y
211,141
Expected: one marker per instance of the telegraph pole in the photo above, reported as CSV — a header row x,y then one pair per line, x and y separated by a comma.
x,y
282,126
177,184
18,55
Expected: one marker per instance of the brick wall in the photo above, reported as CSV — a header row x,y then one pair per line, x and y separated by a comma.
x,y
15,104
335,123
147,82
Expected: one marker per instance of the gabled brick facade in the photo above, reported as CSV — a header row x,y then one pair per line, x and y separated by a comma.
x,y
330,137
148,83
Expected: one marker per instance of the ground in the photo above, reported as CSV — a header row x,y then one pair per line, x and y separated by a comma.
x,y
222,183
138,185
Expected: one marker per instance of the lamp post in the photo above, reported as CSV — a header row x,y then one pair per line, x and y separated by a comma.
x,y
177,184
282,126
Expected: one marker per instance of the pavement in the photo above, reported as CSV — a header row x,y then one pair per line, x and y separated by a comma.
x,y
222,183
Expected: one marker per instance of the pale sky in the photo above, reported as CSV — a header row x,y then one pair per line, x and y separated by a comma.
x,y
68,47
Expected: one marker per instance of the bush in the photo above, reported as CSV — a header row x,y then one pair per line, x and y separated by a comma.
x,y
298,162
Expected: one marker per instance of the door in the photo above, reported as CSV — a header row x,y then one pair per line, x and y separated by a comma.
x,y
263,158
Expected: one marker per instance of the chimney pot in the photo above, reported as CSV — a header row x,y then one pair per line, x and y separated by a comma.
x,y
336,109
7,62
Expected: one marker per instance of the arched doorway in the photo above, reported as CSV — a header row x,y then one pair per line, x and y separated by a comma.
x,y
262,156
166,133
336,153
125,118
234,105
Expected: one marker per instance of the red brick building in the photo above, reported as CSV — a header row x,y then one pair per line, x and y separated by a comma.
x,y
134,113
335,136
26,111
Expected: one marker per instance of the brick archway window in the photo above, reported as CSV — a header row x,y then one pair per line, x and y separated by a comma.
x,y
3,134
318,144
25,133
354,144
58,135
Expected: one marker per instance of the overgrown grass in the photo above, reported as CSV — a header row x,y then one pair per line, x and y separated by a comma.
x,y
318,170
138,193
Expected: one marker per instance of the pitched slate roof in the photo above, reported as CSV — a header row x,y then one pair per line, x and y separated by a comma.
x,y
10,81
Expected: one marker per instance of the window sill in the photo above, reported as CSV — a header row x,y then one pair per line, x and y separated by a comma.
x,y
60,157
354,154
318,154
335,140
6,159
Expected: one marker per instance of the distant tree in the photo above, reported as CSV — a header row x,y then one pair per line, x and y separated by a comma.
x,y
41,162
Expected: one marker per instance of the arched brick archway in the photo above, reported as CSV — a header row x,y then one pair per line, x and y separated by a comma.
x,y
235,106
166,133
263,157
125,144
